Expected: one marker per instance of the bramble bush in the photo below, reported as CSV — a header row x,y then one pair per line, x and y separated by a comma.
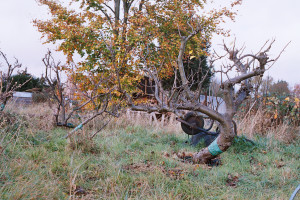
x,y
282,109
274,115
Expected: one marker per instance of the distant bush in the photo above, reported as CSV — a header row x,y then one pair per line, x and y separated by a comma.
x,y
27,79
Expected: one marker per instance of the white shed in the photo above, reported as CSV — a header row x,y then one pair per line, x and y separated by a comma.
x,y
22,97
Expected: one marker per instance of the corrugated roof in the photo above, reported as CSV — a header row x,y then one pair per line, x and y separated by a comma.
x,y
23,94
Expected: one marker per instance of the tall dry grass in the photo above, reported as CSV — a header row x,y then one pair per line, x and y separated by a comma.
x,y
40,117
129,161
166,123
258,123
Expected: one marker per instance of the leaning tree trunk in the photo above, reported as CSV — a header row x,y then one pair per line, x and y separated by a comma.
x,y
233,101
219,145
227,128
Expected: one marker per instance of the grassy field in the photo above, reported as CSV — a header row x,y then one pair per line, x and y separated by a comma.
x,y
140,162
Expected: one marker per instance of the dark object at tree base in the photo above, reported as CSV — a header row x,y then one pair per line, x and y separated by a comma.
x,y
208,139
194,120
202,136
194,125
214,162
68,125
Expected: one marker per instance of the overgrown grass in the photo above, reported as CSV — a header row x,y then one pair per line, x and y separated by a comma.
x,y
134,162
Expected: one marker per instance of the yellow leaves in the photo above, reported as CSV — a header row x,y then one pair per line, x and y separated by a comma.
x,y
141,100
107,45
297,102
117,93
276,115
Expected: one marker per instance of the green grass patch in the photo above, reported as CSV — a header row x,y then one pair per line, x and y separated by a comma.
x,y
138,163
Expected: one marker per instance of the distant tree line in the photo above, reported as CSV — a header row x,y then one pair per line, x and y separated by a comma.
x,y
22,77
270,88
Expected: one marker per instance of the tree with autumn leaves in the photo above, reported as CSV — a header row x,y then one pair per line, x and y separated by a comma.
x,y
123,41
117,37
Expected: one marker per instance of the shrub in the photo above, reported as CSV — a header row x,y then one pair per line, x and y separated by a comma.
x,y
39,98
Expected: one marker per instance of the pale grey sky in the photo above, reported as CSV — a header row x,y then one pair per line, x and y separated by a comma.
x,y
257,21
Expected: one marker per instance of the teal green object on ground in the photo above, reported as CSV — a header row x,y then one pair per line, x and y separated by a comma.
x,y
70,125
2,106
78,127
214,149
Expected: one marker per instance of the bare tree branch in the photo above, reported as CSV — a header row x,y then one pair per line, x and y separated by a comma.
x,y
6,78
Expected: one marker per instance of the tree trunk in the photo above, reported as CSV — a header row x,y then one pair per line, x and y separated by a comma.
x,y
219,145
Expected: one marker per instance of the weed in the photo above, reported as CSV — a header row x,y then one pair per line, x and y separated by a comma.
x,y
138,162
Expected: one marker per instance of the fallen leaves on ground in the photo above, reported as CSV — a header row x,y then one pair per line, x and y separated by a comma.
x,y
176,173
141,167
173,173
232,180
187,157
256,165
279,163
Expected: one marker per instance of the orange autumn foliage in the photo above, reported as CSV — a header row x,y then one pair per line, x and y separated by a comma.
x,y
116,39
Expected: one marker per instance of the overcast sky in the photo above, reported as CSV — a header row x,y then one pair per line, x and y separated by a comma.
x,y
257,21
